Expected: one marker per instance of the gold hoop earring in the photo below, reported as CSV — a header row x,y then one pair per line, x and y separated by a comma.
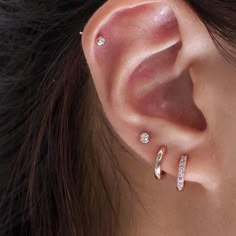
x,y
160,154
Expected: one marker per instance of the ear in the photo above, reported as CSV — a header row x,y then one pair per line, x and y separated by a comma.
x,y
146,75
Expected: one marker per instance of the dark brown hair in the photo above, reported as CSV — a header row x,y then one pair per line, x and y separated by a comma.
x,y
55,143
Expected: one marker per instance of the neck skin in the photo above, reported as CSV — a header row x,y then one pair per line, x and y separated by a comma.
x,y
157,208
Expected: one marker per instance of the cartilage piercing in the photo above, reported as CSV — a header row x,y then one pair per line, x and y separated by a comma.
x,y
100,41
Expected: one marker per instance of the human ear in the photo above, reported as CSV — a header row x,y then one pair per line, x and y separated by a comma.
x,y
144,58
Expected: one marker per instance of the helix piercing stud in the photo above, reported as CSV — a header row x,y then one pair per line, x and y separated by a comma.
x,y
181,172
100,41
160,154
144,138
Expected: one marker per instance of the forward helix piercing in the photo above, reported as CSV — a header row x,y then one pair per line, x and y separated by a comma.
x,y
160,154
181,172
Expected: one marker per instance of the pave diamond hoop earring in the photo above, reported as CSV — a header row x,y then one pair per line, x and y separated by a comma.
x,y
181,172
160,154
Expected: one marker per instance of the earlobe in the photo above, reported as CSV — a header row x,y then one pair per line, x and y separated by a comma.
x,y
137,56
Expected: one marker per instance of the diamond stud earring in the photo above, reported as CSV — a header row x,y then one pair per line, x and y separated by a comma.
x,y
101,41
181,172
144,138
160,154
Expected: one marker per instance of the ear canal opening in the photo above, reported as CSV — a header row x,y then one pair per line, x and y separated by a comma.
x,y
173,101
179,104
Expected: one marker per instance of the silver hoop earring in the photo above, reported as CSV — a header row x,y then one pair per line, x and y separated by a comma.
x,y
181,172
158,170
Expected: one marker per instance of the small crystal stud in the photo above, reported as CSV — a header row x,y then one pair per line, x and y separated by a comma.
x,y
144,138
101,41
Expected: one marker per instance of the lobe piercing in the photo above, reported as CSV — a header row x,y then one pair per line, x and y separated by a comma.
x,y
81,32
144,138
160,154
181,172
101,41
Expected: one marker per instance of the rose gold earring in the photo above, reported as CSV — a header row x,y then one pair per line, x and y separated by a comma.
x,y
181,172
160,154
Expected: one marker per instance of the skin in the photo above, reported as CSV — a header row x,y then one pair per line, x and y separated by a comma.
x,y
160,72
